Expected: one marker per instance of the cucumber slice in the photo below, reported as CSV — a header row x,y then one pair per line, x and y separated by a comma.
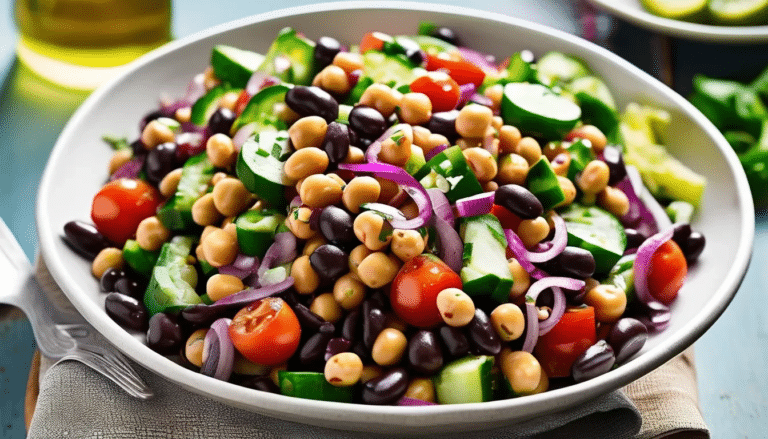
x,y
176,214
739,12
558,69
312,385
357,91
256,231
538,110
204,107
485,270
140,260
417,164
261,110
542,182
234,65
465,380
393,70
260,166
432,45
169,289
598,232
622,276
597,105
298,51
685,10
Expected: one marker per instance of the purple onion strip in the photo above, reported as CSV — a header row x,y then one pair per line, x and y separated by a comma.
x,y
129,169
441,206
557,312
559,241
281,251
221,352
435,151
531,327
476,204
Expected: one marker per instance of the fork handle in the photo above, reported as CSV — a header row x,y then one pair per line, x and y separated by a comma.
x,y
39,310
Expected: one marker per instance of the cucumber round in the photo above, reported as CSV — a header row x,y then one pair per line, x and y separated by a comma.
x,y
686,10
538,110
598,232
739,12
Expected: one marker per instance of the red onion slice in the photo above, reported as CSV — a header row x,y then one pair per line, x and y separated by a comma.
x,y
281,251
485,61
553,281
558,309
450,246
441,206
218,351
642,266
195,89
659,214
413,402
435,151
129,169
242,267
656,319
408,184
258,81
246,297
465,92
476,204
531,326
518,249
559,241
243,134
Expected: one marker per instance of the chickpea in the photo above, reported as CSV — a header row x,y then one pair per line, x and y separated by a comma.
x,y
456,307
396,150
360,190
509,137
231,197
382,98
308,132
305,278
389,347
220,248
337,178
320,190
591,133
170,183
220,286
344,369
370,371
355,155
274,373
609,302
522,370
210,80
422,389
495,92
522,280
533,231
217,177
229,100
285,114
513,169
371,229
378,269
204,211
543,384
305,162
410,209
193,349
553,149
407,244
389,190
298,222
312,244
561,164
420,136
326,307
107,258
151,234
415,108
594,177
482,163
568,189
613,200
433,141
348,291
490,186
349,61
155,133
221,151
473,120
119,158
529,148
334,80
243,366
509,321
356,256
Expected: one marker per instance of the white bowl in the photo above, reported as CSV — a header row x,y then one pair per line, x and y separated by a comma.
x,y
77,169
634,12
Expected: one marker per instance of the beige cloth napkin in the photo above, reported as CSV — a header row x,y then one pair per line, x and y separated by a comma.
x,y
76,402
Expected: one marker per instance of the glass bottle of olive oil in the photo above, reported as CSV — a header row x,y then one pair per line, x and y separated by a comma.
x,y
82,43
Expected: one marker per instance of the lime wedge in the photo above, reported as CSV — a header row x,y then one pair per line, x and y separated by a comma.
x,y
687,10
739,12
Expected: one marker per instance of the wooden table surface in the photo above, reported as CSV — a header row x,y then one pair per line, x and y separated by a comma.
x,y
730,357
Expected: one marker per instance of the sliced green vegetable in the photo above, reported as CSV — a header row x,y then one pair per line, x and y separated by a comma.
x,y
598,107
598,232
312,385
393,70
465,380
542,182
260,166
622,276
234,65
176,214
256,231
558,69
686,10
290,58
140,260
581,154
680,212
261,110
451,174
485,271
172,285
204,107
738,12
538,110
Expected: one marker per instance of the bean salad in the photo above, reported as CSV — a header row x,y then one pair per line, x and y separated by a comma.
x,y
402,221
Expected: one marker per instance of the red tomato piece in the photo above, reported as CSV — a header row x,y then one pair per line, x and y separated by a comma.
x,y
462,71
566,341
120,206
414,291
440,88
373,41
667,272
242,101
266,331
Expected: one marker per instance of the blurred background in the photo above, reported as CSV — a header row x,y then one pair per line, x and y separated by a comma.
x,y
34,109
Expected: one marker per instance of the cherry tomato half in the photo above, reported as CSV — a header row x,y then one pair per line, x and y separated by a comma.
x,y
266,331
373,41
508,220
414,291
242,100
440,88
566,341
462,71
120,206
667,272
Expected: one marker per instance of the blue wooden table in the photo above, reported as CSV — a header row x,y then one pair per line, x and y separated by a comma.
x,y
730,357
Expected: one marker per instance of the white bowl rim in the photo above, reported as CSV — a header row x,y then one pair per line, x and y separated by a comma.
x,y
406,415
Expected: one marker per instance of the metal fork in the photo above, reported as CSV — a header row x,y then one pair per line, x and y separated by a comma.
x,y
60,335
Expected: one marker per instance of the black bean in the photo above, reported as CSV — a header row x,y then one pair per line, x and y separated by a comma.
x,y
312,101
138,147
571,262
694,246
595,361
126,311
627,337
349,328
160,161
336,142
221,121
374,321
202,314
131,287
634,238
84,239
387,388
329,261
336,346
309,321
454,340
482,335
313,351
367,122
326,49
164,335
613,158
446,34
519,201
411,50
444,123
424,353
263,383
336,227
109,278
680,234
361,351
